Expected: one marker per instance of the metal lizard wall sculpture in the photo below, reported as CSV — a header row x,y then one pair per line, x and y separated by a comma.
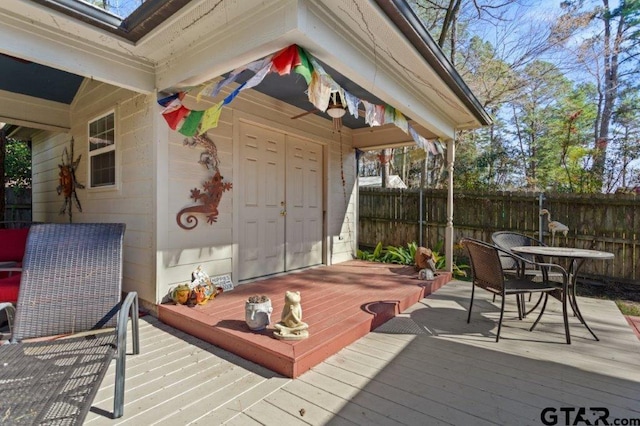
x,y
68,182
213,187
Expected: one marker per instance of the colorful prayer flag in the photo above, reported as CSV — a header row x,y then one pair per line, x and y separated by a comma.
x,y
352,103
304,68
231,96
173,117
286,59
319,93
211,117
389,114
191,123
401,121
167,100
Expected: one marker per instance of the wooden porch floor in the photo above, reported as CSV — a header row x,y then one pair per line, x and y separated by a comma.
x,y
425,366
341,303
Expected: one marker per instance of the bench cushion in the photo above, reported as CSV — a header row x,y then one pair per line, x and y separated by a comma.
x,y
9,287
12,244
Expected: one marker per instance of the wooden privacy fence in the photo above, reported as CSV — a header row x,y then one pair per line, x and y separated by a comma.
x,y
17,205
608,222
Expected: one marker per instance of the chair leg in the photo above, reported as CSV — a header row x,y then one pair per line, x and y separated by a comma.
x,y
135,330
544,305
473,288
534,306
520,305
500,321
565,317
118,394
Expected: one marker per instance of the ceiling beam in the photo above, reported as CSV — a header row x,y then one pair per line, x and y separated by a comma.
x,y
33,112
387,136
229,46
27,39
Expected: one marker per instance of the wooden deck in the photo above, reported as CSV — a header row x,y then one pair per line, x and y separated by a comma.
x,y
426,366
341,303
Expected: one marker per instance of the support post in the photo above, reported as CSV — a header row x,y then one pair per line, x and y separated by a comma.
x,y
448,239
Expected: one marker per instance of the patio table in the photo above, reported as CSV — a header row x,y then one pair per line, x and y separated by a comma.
x,y
52,382
576,258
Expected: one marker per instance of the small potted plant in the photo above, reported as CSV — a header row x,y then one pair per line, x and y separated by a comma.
x,y
258,312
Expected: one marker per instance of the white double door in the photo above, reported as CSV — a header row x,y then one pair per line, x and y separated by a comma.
x,y
280,201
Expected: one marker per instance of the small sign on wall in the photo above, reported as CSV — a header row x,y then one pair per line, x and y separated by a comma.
x,y
223,281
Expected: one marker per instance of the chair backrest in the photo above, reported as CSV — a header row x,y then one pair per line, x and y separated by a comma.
x,y
508,239
71,279
486,269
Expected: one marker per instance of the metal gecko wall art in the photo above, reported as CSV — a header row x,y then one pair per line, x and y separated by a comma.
x,y
68,182
212,188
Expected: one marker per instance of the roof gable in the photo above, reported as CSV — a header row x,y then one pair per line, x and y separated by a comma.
x,y
376,47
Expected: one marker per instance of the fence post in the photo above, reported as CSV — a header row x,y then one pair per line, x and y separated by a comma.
x,y
540,233
420,221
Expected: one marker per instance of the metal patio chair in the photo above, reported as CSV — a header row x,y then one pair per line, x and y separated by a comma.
x,y
509,239
71,288
488,274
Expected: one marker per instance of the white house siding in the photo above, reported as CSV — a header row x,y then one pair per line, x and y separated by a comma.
x,y
47,152
344,201
207,244
158,253
214,246
131,201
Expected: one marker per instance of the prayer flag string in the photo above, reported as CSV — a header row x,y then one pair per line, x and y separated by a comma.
x,y
321,87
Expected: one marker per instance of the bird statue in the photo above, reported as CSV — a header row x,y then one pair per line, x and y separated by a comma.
x,y
554,226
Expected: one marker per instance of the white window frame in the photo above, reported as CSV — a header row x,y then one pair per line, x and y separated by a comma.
x,y
102,150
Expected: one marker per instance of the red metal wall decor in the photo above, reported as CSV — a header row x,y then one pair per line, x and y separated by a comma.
x,y
212,188
68,183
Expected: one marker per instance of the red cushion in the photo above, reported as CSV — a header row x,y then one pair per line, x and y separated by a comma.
x,y
12,244
9,288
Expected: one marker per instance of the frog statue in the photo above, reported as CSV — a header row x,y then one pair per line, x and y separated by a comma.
x,y
291,326
180,294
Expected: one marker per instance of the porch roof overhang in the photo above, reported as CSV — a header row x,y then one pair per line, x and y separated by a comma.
x,y
379,46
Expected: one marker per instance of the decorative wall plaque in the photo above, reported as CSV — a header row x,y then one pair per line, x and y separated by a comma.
x,y
211,194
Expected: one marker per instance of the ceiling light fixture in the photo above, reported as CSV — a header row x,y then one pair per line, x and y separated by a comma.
x,y
336,111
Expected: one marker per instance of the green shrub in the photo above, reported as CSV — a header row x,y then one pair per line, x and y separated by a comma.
x,y
406,256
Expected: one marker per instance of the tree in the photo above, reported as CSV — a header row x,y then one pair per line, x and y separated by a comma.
x,y
609,52
17,164
625,142
532,111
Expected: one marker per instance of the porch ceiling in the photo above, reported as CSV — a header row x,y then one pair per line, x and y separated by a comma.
x,y
360,41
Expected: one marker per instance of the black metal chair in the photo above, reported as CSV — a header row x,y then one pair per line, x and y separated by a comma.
x,y
71,288
506,240
488,274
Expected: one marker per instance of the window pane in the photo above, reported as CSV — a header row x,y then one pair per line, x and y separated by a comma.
x,y
101,132
103,169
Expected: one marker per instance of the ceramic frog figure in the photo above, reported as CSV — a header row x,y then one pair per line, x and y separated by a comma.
x,y
180,294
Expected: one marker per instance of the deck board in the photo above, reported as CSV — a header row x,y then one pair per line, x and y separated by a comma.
x,y
425,366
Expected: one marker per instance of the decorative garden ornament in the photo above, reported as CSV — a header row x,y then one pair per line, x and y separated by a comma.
x,y
291,326
68,182
180,294
209,197
258,311
554,225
